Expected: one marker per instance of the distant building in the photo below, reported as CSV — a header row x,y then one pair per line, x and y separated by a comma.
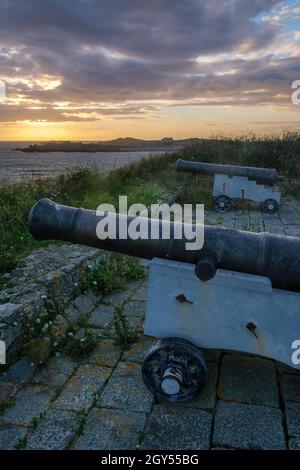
x,y
167,140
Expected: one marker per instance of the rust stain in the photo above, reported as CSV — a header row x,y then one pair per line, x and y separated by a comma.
x,y
220,395
56,277
219,392
182,298
259,339
260,344
252,327
130,365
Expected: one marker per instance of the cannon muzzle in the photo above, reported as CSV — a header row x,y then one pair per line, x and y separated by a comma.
x,y
267,176
265,254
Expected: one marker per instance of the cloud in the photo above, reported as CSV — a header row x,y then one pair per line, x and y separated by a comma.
x,y
90,59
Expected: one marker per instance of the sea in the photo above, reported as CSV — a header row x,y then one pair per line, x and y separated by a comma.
x,y
16,165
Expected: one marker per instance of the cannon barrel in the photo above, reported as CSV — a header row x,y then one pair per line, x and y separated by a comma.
x,y
267,176
274,256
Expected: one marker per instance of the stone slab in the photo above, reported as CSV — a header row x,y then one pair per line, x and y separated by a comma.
x,y
111,430
117,298
127,369
244,426
141,292
9,313
20,372
138,350
135,311
106,354
127,393
10,436
294,444
292,411
55,372
7,391
290,387
55,431
178,428
80,390
101,316
212,355
85,303
248,379
207,397
29,404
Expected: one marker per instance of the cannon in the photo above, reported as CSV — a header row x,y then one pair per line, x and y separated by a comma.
x,y
240,291
238,182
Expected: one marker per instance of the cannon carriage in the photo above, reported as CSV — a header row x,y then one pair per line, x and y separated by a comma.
x,y
238,182
240,291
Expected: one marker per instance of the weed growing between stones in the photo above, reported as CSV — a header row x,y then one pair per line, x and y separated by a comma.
x,y
55,302
7,404
22,443
124,336
47,332
79,345
111,273
254,227
44,330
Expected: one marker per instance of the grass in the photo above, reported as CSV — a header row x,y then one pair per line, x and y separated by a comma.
x,y
79,345
111,273
43,326
81,187
124,335
278,151
143,182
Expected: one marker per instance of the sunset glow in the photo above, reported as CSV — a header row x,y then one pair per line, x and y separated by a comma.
x,y
117,68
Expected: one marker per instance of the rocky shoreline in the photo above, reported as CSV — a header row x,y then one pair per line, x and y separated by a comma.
x,y
117,145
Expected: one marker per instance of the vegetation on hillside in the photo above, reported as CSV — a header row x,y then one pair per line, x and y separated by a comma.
x,y
83,187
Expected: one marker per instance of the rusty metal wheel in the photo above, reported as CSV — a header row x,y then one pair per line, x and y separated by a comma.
x,y
270,206
223,203
174,370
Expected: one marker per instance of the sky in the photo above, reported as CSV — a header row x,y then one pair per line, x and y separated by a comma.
x,y
100,69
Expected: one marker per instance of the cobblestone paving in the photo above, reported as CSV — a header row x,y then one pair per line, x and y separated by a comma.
x,y
101,402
